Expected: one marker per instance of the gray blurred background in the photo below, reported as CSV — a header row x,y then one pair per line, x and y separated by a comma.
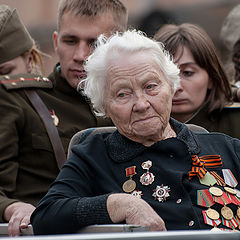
x,y
147,15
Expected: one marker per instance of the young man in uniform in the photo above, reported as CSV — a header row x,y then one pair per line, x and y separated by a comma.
x,y
28,154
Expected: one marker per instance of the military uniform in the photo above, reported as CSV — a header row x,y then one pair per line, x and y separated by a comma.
x,y
226,121
28,164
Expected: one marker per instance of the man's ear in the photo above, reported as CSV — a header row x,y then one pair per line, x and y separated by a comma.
x,y
55,40
30,62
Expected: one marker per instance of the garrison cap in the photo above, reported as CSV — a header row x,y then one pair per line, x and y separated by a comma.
x,y
230,31
14,37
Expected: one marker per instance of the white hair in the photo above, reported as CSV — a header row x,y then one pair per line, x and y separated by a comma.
x,y
107,49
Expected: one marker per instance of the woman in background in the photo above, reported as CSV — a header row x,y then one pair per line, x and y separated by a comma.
x,y
205,96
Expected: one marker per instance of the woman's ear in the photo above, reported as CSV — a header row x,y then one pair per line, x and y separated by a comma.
x,y
210,83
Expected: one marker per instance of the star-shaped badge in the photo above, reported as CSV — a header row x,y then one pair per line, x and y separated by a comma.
x,y
161,193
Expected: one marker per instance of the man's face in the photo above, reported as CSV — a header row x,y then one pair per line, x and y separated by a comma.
x,y
74,42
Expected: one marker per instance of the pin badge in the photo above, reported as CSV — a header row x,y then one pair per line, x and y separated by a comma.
x,y
54,117
147,178
161,193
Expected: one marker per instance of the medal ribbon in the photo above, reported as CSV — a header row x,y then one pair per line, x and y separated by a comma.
x,y
229,178
234,199
219,180
233,223
210,221
223,200
130,171
199,164
204,198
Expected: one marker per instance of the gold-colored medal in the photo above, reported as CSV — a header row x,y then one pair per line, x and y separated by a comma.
x,y
238,213
227,213
212,214
215,191
230,190
129,186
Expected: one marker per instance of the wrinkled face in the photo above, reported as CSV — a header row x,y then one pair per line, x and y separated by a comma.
x,y
194,85
15,66
137,97
74,42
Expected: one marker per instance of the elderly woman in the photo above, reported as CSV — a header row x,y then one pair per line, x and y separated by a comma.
x,y
152,171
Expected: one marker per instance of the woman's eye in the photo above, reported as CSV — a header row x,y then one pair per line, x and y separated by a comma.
x,y
150,86
121,95
186,74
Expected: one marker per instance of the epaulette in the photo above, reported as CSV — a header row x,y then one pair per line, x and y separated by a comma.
x,y
233,105
26,80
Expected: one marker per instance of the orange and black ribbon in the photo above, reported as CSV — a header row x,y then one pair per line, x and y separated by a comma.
x,y
199,164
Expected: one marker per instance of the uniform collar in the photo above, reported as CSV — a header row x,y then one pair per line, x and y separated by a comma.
x,y
122,149
60,83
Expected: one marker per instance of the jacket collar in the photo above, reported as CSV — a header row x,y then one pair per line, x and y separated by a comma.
x,y
122,149
60,83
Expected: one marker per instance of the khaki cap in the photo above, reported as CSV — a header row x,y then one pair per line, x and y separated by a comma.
x,y
230,31
14,37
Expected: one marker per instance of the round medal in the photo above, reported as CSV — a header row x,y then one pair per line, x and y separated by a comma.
x,y
238,213
129,186
217,192
227,213
230,190
212,214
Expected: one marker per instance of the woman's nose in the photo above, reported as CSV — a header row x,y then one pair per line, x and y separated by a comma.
x,y
141,103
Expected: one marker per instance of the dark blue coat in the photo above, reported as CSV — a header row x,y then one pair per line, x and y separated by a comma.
x,y
97,168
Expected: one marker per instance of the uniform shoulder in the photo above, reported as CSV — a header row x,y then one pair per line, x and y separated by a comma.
x,y
27,80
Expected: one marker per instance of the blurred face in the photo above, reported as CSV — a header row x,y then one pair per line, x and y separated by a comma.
x,y
138,98
194,85
15,66
74,42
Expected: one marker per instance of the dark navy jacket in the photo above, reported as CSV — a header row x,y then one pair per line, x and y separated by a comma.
x,y
97,168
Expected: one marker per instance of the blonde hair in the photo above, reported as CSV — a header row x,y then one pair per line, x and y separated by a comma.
x,y
94,8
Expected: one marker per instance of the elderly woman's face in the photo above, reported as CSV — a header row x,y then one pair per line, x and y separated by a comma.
x,y
138,97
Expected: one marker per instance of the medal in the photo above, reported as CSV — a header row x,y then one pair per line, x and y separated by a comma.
x,y
161,193
230,190
215,191
208,179
223,199
227,213
238,213
54,117
210,221
147,178
137,194
129,185
229,178
212,214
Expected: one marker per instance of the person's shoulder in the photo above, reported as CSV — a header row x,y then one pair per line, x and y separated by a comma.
x,y
23,81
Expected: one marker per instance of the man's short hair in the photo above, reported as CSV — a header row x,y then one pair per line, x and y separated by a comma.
x,y
95,8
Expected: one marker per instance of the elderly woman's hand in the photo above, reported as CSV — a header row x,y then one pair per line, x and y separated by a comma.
x,y
133,210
